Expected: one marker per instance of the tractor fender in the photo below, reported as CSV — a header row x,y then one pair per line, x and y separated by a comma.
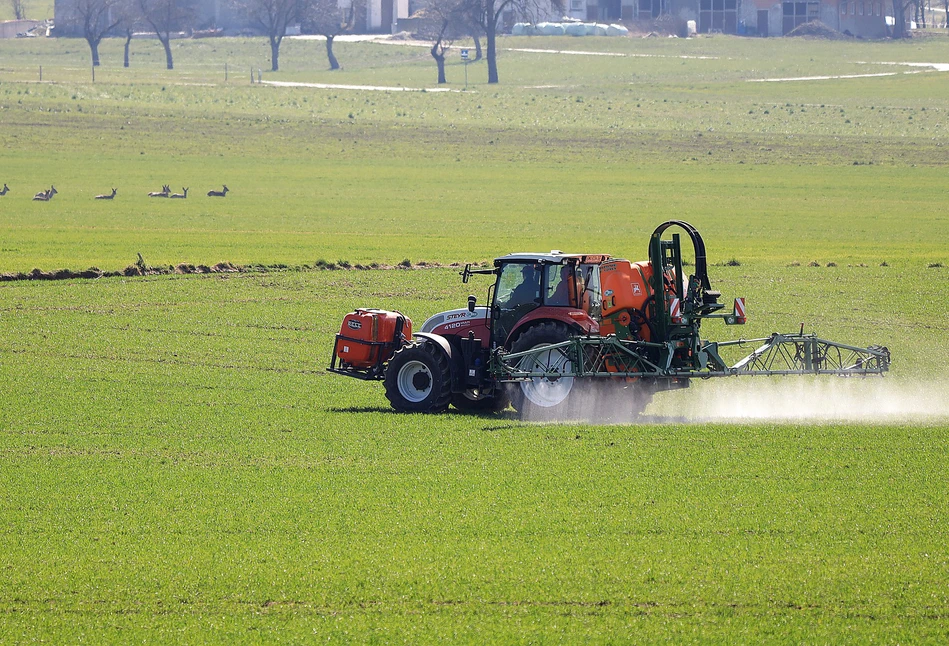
x,y
574,319
438,340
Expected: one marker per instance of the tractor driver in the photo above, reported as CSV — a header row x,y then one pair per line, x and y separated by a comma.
x,y
528,291
561,291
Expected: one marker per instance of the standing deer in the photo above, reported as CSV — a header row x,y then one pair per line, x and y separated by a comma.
x,y
5,189
165,190
107,197
45,196
219,193
180,195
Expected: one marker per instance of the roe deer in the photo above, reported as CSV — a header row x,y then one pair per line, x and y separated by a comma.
x,y
107,197
5,190
45,196
180,195
219,193
165,190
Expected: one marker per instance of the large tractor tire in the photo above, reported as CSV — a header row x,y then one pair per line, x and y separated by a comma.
x,y
418,379
543,397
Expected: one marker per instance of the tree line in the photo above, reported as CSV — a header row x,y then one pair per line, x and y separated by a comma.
x,y
440,21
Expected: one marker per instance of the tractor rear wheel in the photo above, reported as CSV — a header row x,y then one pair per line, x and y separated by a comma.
x,y
543,396
418,379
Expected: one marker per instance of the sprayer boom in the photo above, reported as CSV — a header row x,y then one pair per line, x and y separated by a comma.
x,y
660,363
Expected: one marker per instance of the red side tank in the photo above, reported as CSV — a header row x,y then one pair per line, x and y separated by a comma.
x,y
368,336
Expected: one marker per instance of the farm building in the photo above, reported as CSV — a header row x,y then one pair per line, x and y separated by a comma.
x,y
862,18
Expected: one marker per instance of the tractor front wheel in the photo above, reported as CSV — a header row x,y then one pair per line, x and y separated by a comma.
x,y
418,379
548,396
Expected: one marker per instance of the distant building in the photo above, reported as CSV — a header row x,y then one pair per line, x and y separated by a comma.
x,y
860,18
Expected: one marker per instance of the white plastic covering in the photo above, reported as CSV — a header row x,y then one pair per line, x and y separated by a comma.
x,y
569,28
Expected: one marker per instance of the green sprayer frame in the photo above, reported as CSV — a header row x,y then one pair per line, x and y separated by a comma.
x,y
610,357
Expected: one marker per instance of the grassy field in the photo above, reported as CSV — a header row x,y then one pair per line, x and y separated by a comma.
x,y
176,465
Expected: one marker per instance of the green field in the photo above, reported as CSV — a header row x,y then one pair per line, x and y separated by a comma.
x,y
177,466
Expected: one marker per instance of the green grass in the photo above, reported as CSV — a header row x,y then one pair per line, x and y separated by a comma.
x,y
176,465
193,474
372,176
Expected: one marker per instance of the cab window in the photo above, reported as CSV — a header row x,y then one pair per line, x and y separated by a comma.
x,y
591,296
518,284
560,286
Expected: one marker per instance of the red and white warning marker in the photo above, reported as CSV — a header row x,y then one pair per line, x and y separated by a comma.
x,y
675,311
739,311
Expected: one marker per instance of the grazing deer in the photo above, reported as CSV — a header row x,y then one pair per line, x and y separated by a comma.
x,y
180,195
5,189
219,193
107,197
45,196
165,190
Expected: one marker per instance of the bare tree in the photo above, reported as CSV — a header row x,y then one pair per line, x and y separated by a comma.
x,y
442,21
128,29
166,17
487,15
273,16
326,18
19,9
129,17
95,18
899,17
439,47
476,31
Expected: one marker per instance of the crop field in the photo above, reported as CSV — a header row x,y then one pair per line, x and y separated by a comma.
x,y
176,465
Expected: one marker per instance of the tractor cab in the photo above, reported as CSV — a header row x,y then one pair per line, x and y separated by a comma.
x,y
554,286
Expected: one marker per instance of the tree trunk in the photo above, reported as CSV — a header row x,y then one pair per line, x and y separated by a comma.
x,y
128,41
334,64
166,43
274,54
479,54
94,47
440,62
489,36
899,19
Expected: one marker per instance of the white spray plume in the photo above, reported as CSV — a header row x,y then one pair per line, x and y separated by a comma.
x,y
812,400
808,400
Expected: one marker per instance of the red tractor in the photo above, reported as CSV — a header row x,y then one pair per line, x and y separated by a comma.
x,y
557,322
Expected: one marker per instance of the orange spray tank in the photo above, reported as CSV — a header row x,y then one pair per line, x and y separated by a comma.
x,y
628,298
